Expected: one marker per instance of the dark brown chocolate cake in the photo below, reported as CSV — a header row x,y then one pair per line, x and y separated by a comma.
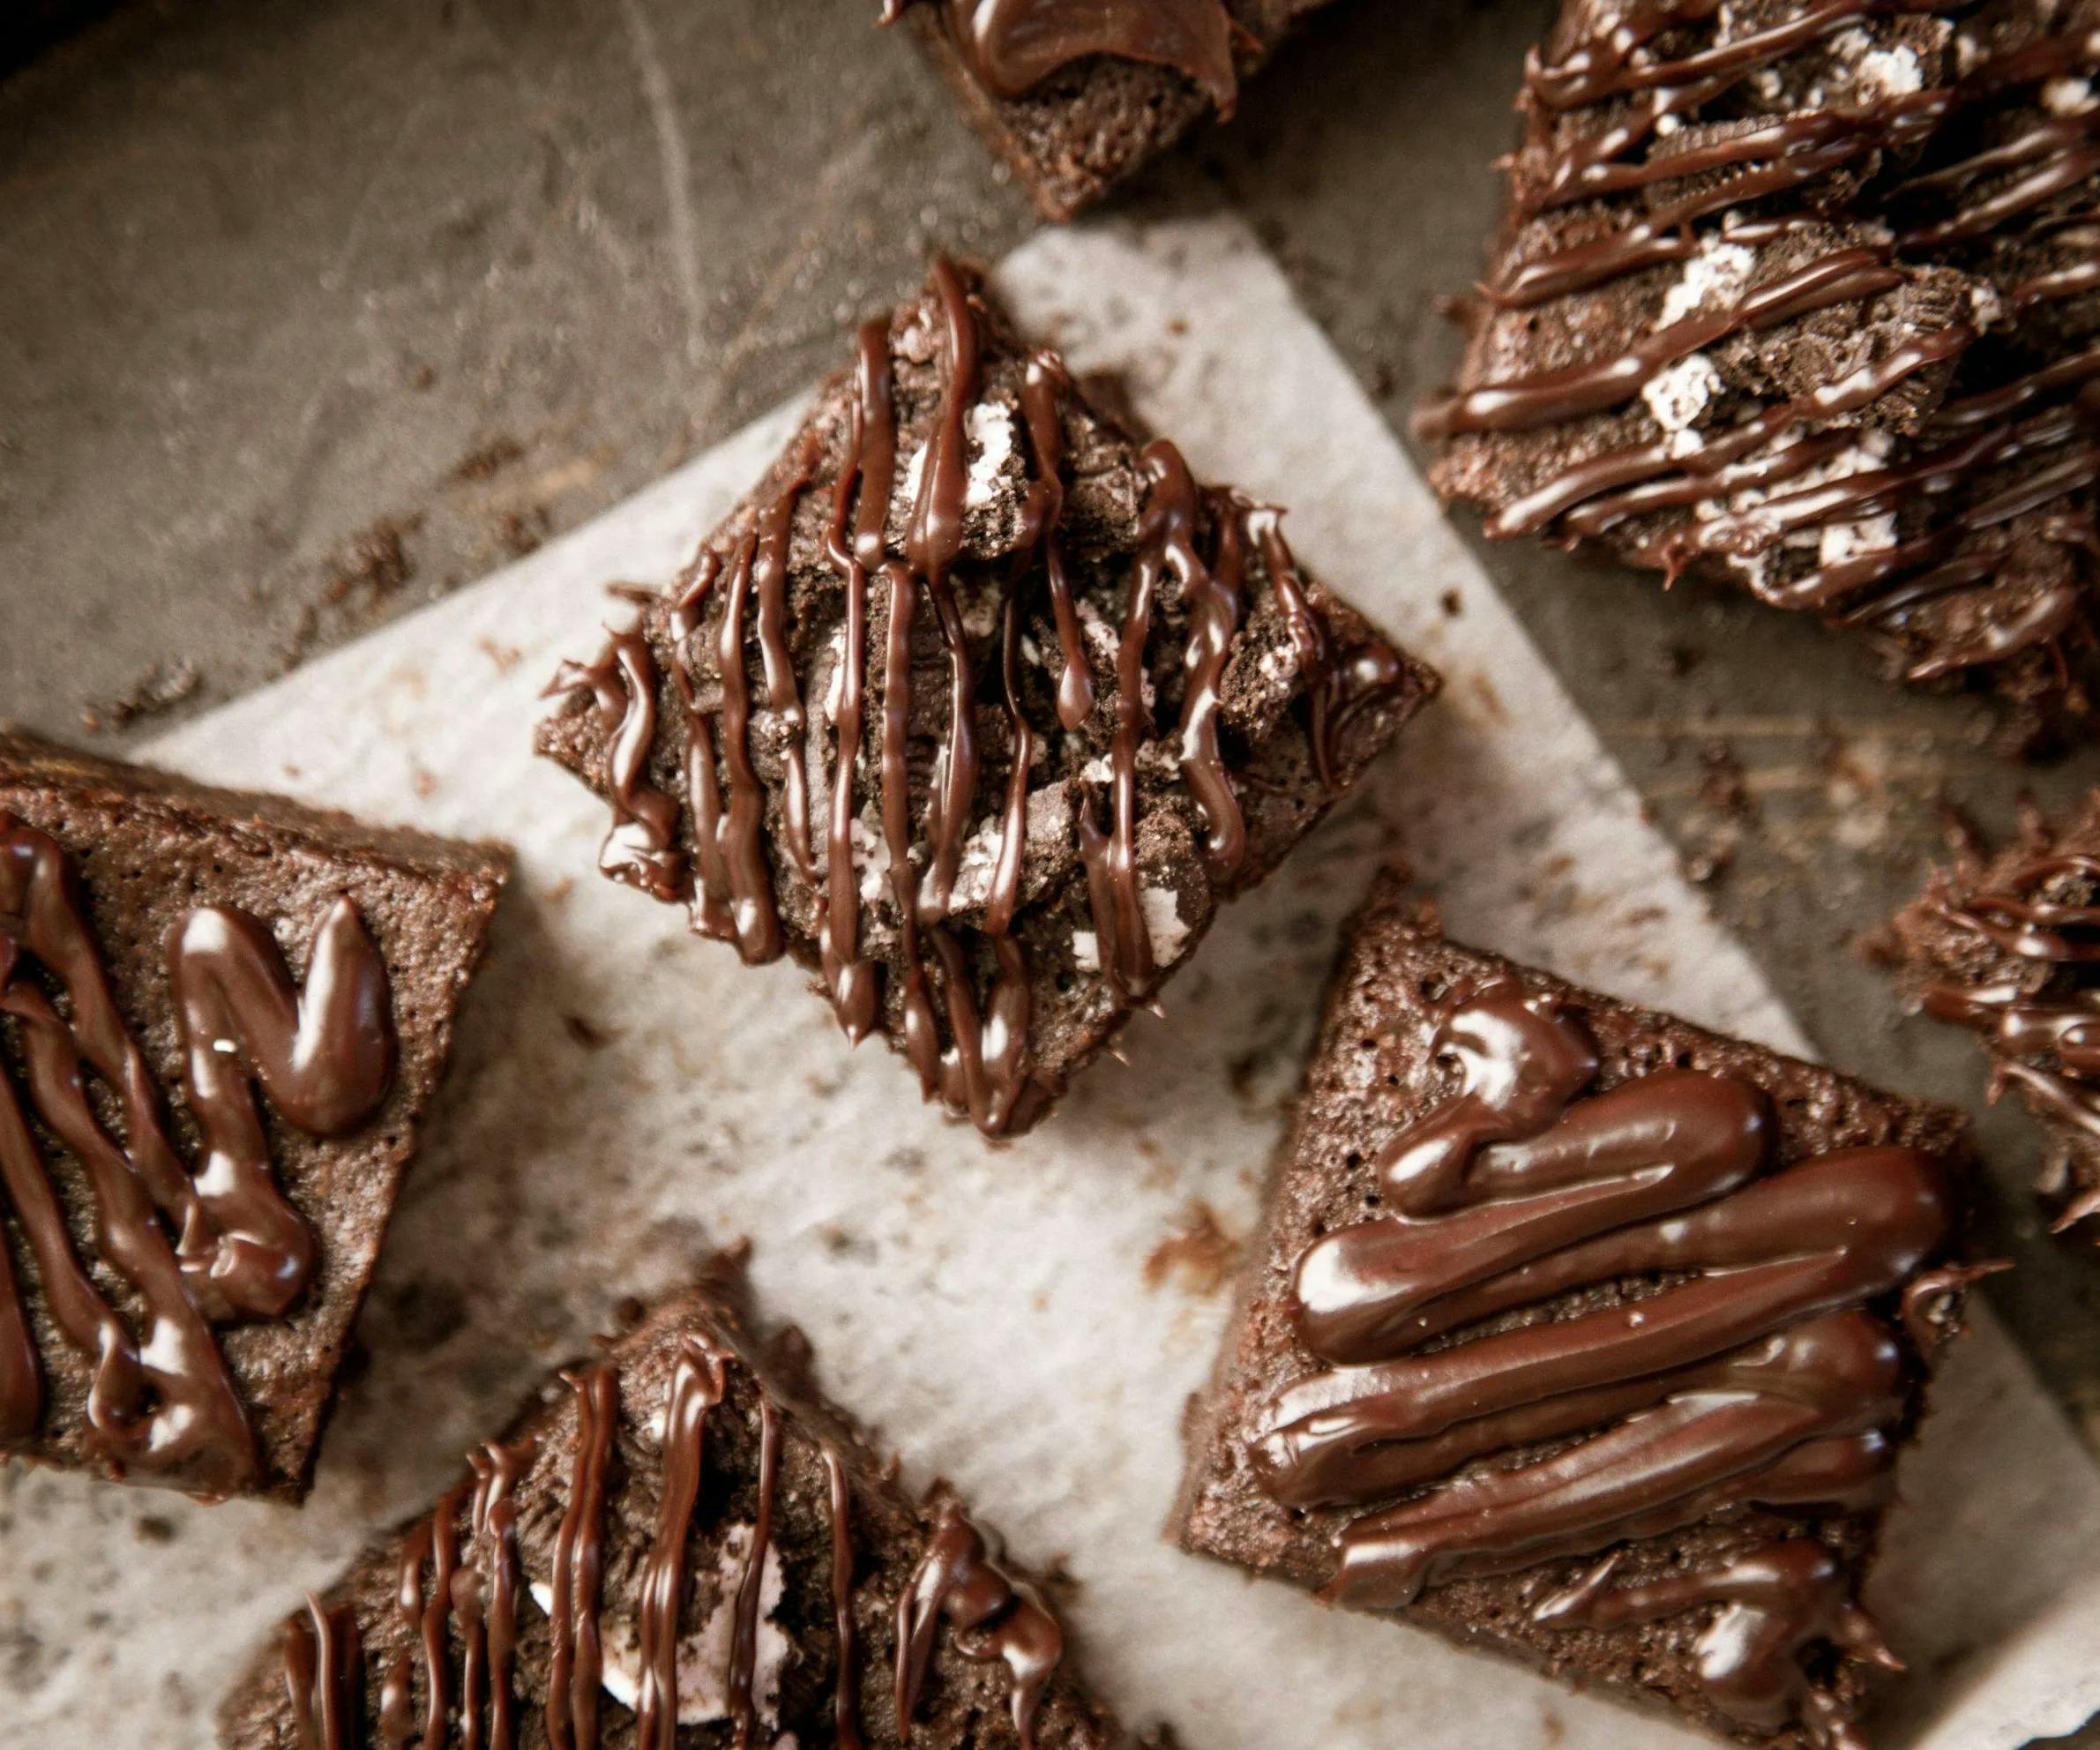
x,y
1806,294
1077,700
1585,1335
681,1545
2010,945
180,1261
1076,94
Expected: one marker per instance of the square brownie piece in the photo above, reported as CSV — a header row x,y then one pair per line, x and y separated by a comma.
x,y
1805,297
682,1541
2009,945
978,708
1077,94
1582,1335
220,1018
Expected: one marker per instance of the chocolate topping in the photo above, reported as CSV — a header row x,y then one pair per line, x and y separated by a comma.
x,y
468,1548
1757,1373
913,896
1900,162
1012,46
163,1403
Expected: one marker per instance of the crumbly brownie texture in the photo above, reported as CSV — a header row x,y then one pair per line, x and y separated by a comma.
x,y
978,708
1807,294
2010,945
679,1545
181,1262
1582,1335
1076,94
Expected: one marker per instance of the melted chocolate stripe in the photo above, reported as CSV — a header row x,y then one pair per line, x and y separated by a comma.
x,y
996,1619
697,1386
397,1689
845,1693
743,1646
323,1670
1756,1375
575,1661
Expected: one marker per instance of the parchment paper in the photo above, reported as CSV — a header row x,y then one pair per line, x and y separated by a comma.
x,y
1028,1320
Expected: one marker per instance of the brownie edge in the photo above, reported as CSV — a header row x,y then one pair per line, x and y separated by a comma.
x,y
1671,1337
222,1017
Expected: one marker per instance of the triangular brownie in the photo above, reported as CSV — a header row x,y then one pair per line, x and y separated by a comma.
x,y
1586,1336
682,1543
1079,701
220,1018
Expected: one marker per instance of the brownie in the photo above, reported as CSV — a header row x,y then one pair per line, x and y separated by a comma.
x,y
1584,1335
222,1016
680,1543
2009,944
1807,297
1076,94
978,708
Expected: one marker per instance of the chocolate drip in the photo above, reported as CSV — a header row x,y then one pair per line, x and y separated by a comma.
x,y
1525,403
640,846
575,1660
1012,46
437,1617
996,1619
1756,1376
2046,1040
1776,1601
1212,595
743,1646
397,1689
326,1060
846,1687
323,1675
751,905
931,543
1042,386
494,1520
870,465
697,1386
167,1404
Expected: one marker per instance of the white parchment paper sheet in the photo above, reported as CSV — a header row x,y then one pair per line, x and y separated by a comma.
x,y
625,1095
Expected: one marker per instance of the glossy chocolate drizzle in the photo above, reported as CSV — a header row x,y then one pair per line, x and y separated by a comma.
x,y
1012,46
473,1586
216,1246
2045,913
1761,1373
959,996
1603,120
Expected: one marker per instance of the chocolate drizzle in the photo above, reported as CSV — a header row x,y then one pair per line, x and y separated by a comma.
x,y
576,1661
464,1591
1012,46
163,1403
2045,915
996,1618
954,986
324,1676
1658,122
1758,1373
